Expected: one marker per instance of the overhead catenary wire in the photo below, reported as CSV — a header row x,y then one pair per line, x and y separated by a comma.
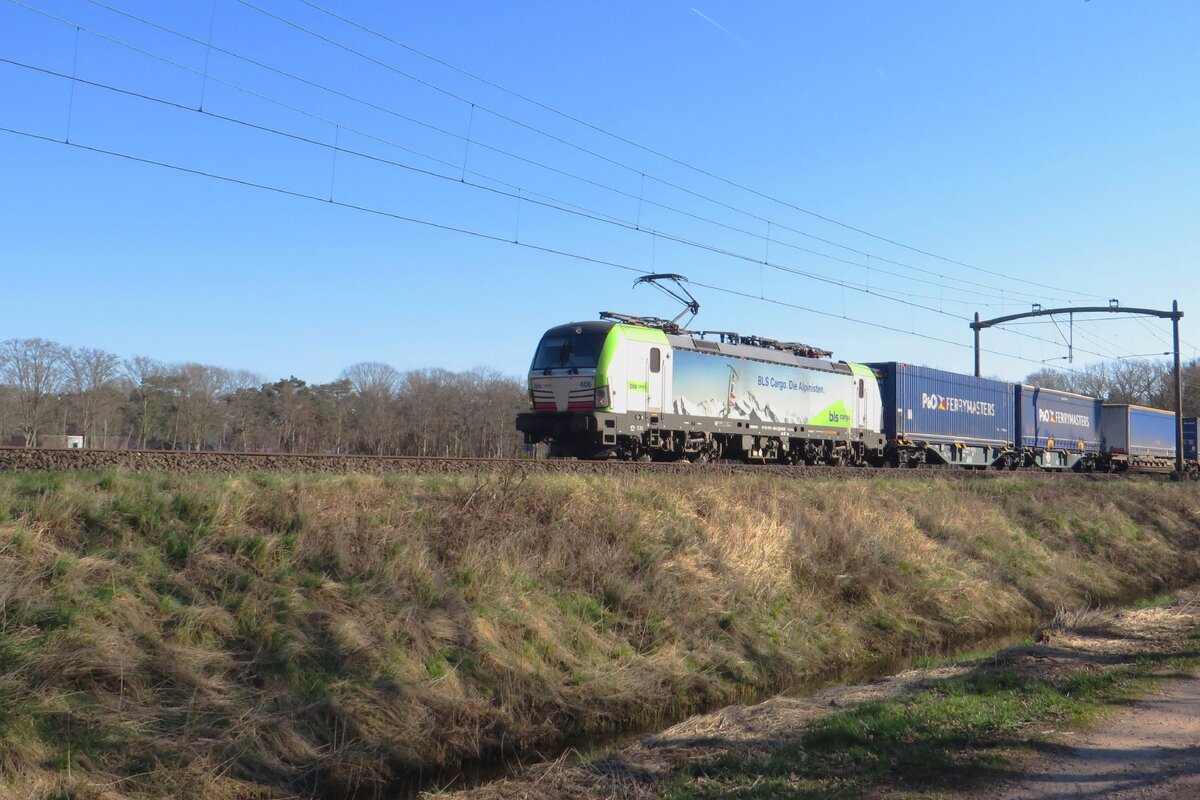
x,y
989,291
877,292
1100,340
474,104
482,235
649,150
1093,332
1153,332
524,194
885,294
1117,351
518,193
1110,348
1162,337
1105,353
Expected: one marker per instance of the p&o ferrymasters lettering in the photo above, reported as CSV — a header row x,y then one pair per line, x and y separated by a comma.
x,y
1063,418
937,402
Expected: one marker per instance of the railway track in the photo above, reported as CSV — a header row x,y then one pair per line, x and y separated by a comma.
x,y
183,461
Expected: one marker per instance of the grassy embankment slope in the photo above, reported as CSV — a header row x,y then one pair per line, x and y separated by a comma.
x,y
217,636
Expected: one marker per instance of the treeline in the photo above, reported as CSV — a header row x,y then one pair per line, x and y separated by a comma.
x,y
48,391
1141,381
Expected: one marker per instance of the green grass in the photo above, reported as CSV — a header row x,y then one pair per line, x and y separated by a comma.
x,y
953,735
1157,600
933,660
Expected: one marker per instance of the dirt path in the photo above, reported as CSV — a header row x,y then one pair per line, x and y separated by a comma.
x,y
1150,750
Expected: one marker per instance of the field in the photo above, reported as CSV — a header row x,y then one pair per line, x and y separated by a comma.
x,y
231,636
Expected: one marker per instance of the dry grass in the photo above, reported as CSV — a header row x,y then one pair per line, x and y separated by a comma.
x,y
244,636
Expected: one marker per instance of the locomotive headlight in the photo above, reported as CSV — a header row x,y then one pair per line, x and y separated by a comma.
x,y
602,398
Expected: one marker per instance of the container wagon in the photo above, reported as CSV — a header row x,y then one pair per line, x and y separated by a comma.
x,y
1191,442
1137,437
1058,430
937,417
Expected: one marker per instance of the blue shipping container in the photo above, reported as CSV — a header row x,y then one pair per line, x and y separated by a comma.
x,y
1048,418
1138,431
939,406
1191,445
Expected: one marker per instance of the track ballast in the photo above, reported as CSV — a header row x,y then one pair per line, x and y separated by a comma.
x,y
189,461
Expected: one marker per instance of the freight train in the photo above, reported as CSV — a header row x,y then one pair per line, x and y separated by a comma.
x,y
631,388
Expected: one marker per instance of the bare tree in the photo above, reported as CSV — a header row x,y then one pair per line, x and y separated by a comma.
x,y
1136,380
237,379
1051,379
143,373
1094,380
333,403
34,368
374,386
499,400
244,411
290,411
199,419
8,413
373,377
89,373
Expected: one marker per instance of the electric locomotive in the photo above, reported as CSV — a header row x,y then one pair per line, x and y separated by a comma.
x,y
631,387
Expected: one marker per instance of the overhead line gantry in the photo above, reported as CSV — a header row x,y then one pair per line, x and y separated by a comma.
x,y
1113,307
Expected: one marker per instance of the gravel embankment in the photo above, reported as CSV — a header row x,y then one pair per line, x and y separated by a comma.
x,y
183,461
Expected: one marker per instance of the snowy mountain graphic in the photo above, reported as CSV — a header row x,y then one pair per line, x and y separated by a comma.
x,y
745,406
706,408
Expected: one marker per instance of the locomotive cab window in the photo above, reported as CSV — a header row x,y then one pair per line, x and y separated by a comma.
x,y
563,348
655,359
862,389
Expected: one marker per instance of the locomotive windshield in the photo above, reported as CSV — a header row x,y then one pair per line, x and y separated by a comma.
x,y
564,348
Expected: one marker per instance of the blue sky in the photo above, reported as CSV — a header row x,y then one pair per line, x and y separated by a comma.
x,y
1042,143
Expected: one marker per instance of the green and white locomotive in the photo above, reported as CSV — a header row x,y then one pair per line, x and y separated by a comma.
x,y
637,388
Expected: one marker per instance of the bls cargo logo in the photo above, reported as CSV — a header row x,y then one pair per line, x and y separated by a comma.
x,y
939,402
1062,418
